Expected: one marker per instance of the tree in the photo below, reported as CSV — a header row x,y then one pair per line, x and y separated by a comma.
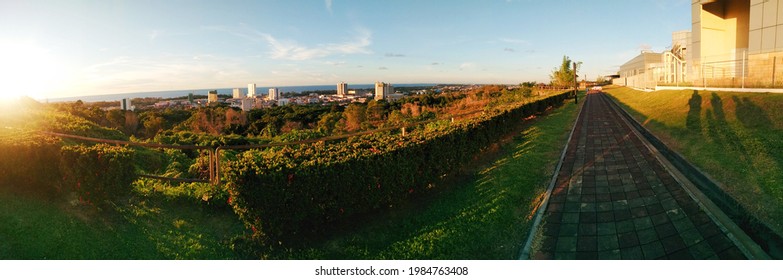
x,y
564,75
354,115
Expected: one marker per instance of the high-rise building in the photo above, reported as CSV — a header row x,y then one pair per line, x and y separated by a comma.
x,y
125,104
251,90
274,94
383,90
342,89
212,97
237,93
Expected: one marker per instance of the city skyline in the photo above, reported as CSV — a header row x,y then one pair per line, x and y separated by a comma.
x,y
56,49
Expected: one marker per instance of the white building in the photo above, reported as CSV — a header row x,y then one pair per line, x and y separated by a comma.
x,y
125,104
274,94
342,89
251,90
237,93
382,90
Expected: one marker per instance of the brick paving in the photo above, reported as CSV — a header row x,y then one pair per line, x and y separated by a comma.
x,y
614,200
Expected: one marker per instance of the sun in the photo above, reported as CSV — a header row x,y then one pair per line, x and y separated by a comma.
x,y
27,70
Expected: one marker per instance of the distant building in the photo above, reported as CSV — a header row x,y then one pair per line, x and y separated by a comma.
x,y
283,101
237,93
383,90
248,104
643,71
125,104
274,94
251,90
342,89
212,97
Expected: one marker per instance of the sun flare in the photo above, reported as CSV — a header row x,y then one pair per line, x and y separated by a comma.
x,y
27,70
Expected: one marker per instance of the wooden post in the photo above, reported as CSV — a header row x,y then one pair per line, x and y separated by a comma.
x,y
211,170
217,167
576,86
403,131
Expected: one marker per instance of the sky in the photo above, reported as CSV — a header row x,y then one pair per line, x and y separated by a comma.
x,y
51,49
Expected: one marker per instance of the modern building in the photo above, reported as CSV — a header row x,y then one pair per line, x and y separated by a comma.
x,y
736,43
643,71
237,93
274,94
125,104
383,90
212,96
251,90
342,89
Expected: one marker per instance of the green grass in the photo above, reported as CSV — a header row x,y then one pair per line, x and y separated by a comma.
x,y
484,214
147,227
737,138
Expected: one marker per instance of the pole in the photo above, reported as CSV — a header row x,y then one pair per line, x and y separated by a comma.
x,y
774,61
576,85
743,68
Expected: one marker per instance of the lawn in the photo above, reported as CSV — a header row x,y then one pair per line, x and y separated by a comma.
x,y
736,138
146,227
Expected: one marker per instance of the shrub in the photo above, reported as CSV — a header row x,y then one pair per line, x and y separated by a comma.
x,y
29,166
97,173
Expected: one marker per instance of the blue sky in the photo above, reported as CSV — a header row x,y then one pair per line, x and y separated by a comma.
x,y
73,48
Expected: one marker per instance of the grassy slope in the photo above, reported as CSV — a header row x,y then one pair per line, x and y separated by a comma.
x,y
482,215
737,138
148,228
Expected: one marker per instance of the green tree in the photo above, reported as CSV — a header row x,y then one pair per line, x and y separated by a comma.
x,y
564,75
355,115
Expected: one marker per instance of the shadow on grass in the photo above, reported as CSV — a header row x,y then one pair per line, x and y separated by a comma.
x,y
730,146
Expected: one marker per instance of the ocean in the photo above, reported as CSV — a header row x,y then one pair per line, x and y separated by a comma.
x,y
227,91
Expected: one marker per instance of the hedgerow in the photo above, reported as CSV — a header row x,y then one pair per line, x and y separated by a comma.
x,y
282,192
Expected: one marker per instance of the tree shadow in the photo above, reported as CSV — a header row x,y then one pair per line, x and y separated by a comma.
x,y
719,129
693,120
751,115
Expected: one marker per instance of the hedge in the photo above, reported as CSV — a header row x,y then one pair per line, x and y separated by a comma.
x,y
283,192
29,166
97,173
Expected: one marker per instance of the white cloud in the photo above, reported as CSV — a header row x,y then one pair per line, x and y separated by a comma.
x,y
466,66
515,41
328,4
135,74
291,50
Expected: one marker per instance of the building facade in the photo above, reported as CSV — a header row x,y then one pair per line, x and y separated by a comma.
x,y
237,93
736,43
383,90
251,90
342,89
274,94
643,71
212,96
125,104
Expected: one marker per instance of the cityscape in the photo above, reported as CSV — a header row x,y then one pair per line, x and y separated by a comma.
x,y
413,138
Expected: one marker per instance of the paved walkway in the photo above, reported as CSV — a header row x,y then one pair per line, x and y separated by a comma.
x,y
614,200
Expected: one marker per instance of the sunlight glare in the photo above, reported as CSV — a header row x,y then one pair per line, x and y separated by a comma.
x,y
27,70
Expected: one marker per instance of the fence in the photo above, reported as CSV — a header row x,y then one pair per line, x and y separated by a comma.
x,y
739,69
